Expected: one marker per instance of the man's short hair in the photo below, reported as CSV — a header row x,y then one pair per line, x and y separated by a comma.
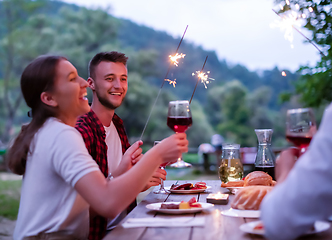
x,y
105,57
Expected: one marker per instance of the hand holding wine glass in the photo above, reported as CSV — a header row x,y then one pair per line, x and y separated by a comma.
x,y
300,127
179,120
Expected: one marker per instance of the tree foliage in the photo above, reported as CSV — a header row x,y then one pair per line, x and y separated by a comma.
x,y
315,85
14,55
235,113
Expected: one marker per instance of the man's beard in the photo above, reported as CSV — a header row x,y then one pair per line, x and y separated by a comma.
x,y
106,103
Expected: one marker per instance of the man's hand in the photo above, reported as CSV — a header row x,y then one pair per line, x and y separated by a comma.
x,y
129,159
285,163
136,155
155,180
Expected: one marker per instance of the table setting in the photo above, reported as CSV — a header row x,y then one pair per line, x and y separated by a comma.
x,y
213,209
217,221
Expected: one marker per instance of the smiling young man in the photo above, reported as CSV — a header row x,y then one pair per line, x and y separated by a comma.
x,y
103,131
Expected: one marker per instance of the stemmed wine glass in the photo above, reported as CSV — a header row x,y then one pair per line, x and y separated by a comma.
x,y
179,120
162,166
300,127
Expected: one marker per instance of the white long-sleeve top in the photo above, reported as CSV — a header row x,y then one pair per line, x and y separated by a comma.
x,y
306,195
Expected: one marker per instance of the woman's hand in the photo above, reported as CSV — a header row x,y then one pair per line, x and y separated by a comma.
x,y
155,180
171,148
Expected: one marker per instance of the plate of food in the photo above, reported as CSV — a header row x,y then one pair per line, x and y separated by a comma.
x,y
241,213
192,206
257,227
186,188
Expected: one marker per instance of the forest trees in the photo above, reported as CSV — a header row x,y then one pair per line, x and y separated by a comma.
x,y
30,30
233,108
237,112
14,55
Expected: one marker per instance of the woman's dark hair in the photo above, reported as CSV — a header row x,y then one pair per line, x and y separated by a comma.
x,y
38,77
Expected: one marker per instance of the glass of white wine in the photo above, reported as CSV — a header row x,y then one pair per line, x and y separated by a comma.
x,y
231,168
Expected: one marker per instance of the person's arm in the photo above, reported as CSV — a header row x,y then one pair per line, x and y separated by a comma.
x,y
305,196
108,198
285,162
130,158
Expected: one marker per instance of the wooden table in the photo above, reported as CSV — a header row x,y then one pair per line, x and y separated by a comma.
x,y
216,226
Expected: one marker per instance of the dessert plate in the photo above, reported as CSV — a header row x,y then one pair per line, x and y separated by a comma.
x,y
156,207
320,226
241,213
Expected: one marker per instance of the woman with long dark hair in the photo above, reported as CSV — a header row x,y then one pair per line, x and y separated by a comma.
x,y
60,179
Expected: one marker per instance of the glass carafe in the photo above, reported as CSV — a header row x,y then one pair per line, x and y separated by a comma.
x,y
265,158
231,168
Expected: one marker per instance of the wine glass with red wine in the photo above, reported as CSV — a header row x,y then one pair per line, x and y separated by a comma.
x,y
300,127
162,166
179,120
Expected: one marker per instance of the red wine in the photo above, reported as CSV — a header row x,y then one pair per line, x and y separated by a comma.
x,y
267,169
179,124
299,141
164,164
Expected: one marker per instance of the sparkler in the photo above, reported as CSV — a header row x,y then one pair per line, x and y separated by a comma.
x,y
286,24
290,26
203,77
173,82
175,58
175,62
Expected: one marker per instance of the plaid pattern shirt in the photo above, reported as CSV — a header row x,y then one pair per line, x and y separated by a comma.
x,y
93,133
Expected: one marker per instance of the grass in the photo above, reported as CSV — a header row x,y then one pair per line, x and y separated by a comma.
x,y
190,157
10,198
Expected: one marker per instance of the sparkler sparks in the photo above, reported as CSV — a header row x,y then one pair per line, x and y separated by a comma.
x,y
175,58
283,73
289,28
287,23
173,82
201,75
204,77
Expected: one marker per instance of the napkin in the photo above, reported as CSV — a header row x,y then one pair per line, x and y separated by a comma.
x,y
164,222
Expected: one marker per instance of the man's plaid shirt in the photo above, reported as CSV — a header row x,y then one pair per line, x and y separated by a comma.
x,y
93,133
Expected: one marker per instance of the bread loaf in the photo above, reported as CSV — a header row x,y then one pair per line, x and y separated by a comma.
x,y
258,178
250,198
